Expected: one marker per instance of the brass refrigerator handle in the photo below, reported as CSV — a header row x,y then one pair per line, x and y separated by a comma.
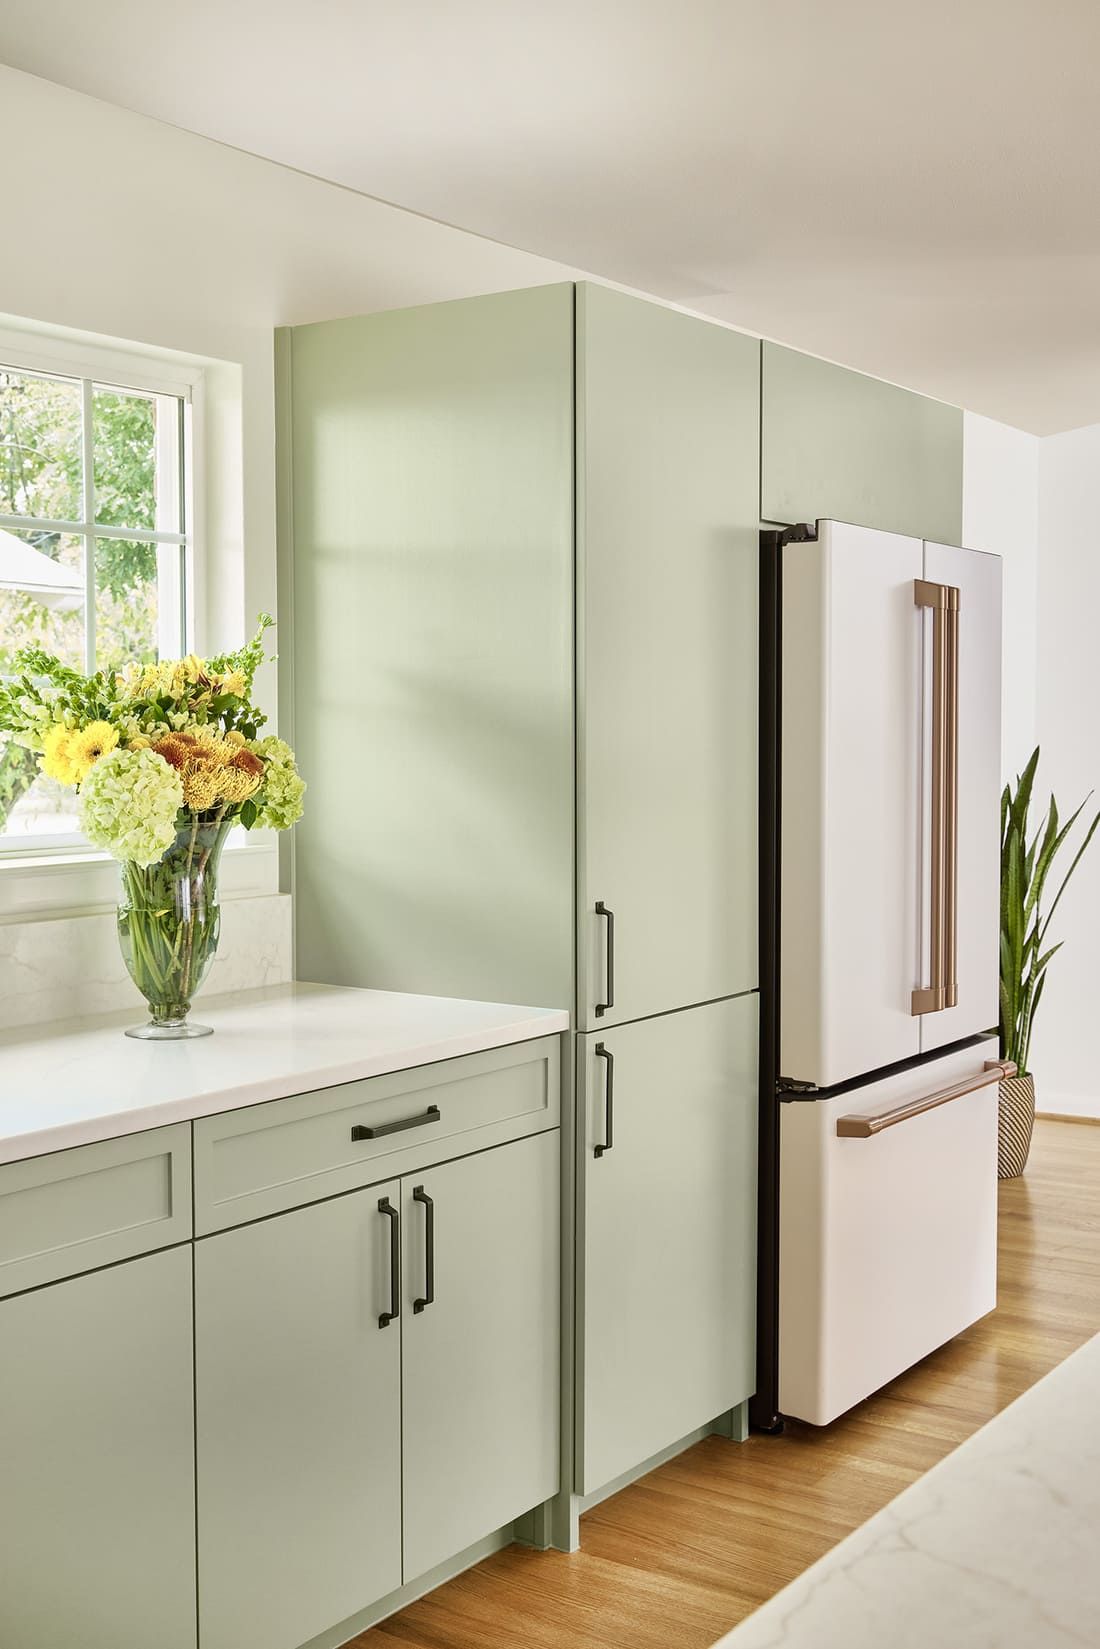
x,y
866,1127
942,990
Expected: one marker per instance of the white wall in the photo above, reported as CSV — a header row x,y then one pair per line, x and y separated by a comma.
x,y
1063,1055
1001,514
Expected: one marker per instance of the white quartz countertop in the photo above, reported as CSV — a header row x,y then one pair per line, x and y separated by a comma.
x,y
994,1548
69,1084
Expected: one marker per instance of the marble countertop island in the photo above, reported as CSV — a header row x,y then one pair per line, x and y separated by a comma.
x,y
994,1548
72,1083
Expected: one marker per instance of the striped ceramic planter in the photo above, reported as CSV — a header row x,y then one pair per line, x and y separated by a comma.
x,y
1015,1120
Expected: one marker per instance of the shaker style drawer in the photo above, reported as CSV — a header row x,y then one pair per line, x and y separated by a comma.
x,y
266,1158
90,1206
888,1228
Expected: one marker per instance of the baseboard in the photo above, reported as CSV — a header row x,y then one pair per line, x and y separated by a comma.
x,y
1070,1107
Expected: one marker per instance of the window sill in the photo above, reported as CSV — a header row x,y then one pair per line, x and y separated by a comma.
x,y
80,882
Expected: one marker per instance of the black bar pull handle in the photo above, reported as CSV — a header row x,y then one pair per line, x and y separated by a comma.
x,y
428,1296
602,910
385,1206
383,1128
609,1100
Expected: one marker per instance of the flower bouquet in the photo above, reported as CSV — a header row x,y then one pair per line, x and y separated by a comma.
x,y
166,759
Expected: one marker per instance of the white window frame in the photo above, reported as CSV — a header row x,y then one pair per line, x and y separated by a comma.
x,y
116,369
58,880
107,369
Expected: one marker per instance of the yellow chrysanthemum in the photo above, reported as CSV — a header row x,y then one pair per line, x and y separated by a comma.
x,y
87,744
57,759
234,682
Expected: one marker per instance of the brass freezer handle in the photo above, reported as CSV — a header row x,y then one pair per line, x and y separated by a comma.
x,y
943,985
865,1127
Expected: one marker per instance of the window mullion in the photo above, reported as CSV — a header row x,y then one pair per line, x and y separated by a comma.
x,y
88,512
132,535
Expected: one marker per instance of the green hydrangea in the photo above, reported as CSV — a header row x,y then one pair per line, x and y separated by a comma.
x,y
280,799
128,805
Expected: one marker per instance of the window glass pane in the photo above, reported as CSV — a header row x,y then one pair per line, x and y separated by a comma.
x,y
40,457
31,804
125,442
126,606
41,605
41,596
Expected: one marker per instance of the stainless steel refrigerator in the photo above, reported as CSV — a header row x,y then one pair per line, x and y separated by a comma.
x,y
881,696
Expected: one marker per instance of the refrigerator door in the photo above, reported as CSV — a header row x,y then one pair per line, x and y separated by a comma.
x,y
973,962
851,775
888,1242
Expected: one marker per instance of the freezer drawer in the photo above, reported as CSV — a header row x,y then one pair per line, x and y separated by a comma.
x,y
888,1242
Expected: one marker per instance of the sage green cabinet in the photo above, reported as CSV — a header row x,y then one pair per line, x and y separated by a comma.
x,y
499,661
667,616
427,613
298,1411
348,1440
667,1230
480,1430
97,1505
841,446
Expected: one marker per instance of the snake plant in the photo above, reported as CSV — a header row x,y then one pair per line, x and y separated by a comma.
x,y
1025,867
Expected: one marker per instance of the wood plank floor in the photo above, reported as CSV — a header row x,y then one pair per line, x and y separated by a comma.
x,y
680,1557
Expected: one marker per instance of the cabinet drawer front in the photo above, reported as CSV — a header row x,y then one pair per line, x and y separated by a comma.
x,y
267,1158
72,1211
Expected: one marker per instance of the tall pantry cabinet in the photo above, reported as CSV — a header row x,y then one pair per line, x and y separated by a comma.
x,y
519,550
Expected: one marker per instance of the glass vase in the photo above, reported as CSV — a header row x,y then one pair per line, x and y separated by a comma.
x,y
168,924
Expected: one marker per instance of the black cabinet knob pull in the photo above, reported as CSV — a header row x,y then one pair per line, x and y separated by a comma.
x,y
609,1100
602,910
382,1128
428,1296
385,1206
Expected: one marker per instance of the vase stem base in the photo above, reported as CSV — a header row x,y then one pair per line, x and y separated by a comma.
x,y
179,1031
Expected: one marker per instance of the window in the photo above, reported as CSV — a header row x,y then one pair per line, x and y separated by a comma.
x,y
95,545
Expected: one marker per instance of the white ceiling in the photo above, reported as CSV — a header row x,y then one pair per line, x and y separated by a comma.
x,y
910,189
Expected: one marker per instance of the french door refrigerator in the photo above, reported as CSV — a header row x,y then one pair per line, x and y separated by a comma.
x,y
881,685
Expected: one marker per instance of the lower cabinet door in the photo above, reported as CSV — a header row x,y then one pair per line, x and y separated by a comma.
x,y
668,1245
481,1345
298,1413
97,1507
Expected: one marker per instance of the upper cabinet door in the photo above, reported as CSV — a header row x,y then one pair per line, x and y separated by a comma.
x,y
852,790
667,474
842,446
973,936
431,645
